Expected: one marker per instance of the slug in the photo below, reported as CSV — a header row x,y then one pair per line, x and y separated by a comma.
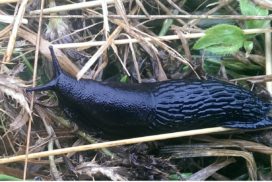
x,y
128,110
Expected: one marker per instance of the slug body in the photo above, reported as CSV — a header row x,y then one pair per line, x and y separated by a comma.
x,y
125,110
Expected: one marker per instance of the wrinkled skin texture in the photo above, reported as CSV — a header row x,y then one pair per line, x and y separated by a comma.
x,y
142,109
127,110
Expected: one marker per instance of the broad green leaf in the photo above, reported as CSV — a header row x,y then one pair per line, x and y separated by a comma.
x,y
250,9
222,39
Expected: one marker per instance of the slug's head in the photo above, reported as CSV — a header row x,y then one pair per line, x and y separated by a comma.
x,y
57,72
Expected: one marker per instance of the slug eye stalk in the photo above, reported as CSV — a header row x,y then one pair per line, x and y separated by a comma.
x,y
57,72
56,65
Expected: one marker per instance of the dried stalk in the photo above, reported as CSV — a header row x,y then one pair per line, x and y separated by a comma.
x,y
255,79
7,1
65,62
14,32
221,4
250,162
208,171
167,11
161,17
263,3
99,53
117,143
10,19
166,38
268,60
38,40
74,6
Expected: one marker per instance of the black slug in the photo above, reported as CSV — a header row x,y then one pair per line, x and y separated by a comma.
x,y
126,110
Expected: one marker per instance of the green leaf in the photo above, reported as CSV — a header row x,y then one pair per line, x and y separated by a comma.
x,y
182,176
243,68
234,68
248,45
4,177
166,25
124,79
222,39
186,175
250,9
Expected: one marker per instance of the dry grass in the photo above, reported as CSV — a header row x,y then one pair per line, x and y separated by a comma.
x,y
89,37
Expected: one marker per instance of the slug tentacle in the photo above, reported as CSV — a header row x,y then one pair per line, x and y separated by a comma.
x,y
56,65
48,86
57,72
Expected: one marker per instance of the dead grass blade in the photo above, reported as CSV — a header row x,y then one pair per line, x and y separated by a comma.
x,y
221,4
37,48
116,143
184,43
264,3
13,171
147,46
19,121
106,26
7,1
241,144
167,11
208,171
140,4
57,9
10,19
51,139
250,162
12,38
5,30
120,9
139,34
255,79
268,58
13,88
161,38
92,169
98,53
135,62
115,50
65,62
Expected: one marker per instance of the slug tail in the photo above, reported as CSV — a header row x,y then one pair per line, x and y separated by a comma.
x,y
56,65
262,123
